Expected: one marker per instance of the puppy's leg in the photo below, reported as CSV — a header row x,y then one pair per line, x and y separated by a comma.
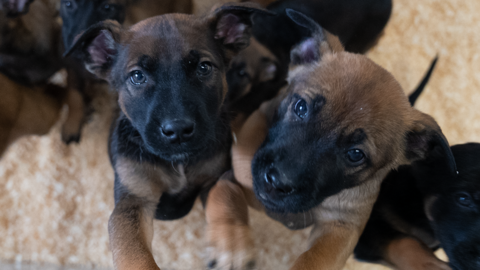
x,y
76,115
131,231
137,192
334,243
72,127
228,233
409,254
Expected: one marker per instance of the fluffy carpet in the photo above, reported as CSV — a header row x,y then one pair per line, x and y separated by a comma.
x,y
56,199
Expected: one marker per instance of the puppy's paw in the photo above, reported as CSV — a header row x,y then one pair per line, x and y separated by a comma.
x,y
231,247
71,133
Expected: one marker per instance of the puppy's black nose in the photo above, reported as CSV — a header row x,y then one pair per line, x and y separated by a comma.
x,y
178,130
272,177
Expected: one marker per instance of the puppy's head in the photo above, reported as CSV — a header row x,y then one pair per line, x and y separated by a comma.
x,y
344,121
454,207
79,15
252,66
169,72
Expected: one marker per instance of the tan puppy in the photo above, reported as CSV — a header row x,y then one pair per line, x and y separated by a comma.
x,y
323,149
27,110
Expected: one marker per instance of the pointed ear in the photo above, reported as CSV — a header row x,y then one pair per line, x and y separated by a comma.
x,y
97,47
232,24
426,143
311,49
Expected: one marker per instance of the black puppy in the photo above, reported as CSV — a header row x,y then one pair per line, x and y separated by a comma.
x,y
420,208
257,76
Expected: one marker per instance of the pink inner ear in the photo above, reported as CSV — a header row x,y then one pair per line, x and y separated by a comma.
x,y
230,28
309,50
101,48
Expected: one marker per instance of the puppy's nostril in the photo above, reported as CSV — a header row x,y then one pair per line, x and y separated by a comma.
x,y
272,177
167,132
188,131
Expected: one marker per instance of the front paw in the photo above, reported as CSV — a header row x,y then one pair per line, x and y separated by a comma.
x,y
231,247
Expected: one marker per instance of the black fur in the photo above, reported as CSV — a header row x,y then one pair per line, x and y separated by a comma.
x,y
418,91
79,15
456,226
291,154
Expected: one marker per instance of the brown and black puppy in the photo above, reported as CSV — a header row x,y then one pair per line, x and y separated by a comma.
x,y
258,75
421,208
321,151
30,51
172,139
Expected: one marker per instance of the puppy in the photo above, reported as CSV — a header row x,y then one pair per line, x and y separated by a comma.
x,y
30,50
257,75
420,208
171,141
323,149
27,110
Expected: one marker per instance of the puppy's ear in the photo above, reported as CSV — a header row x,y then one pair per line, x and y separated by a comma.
x,y
97,47
311,49
232,24
425,142
268,70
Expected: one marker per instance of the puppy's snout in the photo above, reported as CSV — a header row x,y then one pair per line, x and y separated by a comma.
x,y
274,182
178,130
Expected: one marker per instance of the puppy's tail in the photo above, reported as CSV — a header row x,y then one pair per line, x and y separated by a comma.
x,y
415,94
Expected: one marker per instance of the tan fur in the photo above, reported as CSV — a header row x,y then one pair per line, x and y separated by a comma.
x,y
36,31
228,231
130,225
410,254
358,94
26,110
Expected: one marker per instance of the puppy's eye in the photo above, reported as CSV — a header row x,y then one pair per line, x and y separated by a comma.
x,y
464,199
355,156
301,108
68,4
242,73
204,68
106,7
138,77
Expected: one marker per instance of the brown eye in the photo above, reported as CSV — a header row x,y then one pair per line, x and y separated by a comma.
x,y
204,68
137,77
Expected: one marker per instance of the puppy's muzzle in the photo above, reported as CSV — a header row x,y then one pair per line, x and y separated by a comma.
x,y
177,131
